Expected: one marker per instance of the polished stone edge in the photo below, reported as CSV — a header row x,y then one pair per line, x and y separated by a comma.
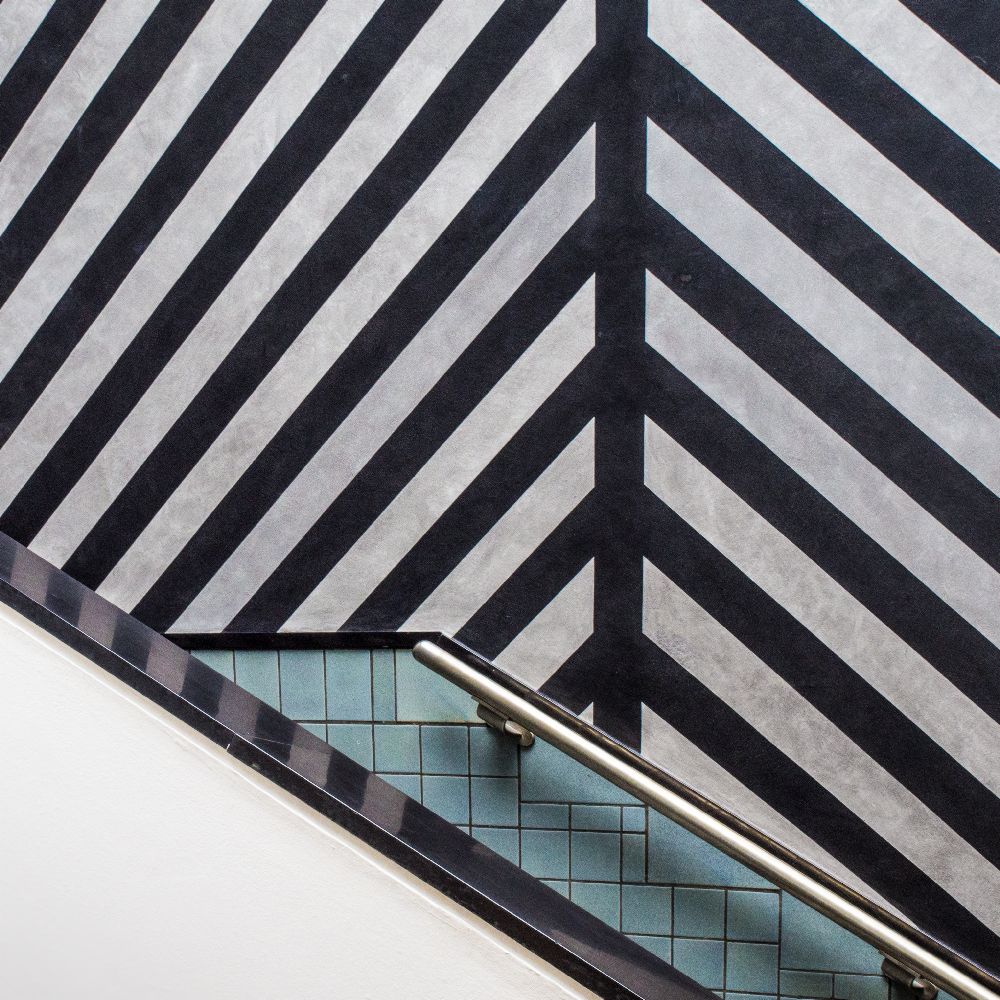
x,y
572,940
300,640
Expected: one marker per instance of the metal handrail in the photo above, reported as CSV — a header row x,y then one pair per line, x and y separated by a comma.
x,y
913,957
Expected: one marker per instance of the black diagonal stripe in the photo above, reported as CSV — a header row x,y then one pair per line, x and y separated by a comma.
x,y
324,409
40,62
191,150
970,26
306,143
865,570
533,585
878,109
536,153
113,107
821,226
880,729
715,728
472,514
580,680
829,388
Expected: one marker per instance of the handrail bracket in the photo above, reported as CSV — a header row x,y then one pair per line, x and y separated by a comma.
x,y
502,724
910,980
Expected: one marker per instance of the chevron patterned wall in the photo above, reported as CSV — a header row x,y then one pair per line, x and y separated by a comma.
x,y
652,349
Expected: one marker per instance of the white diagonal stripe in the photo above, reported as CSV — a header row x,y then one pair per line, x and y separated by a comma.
x,y
19,20
504,410
677,755
528,522
914,55
183,235
853,171
113,184
554,634
825,460
396,101
837,619
54,116
781,715
474,156
825,309
478,297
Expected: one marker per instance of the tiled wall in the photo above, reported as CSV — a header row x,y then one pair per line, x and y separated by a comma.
x,y
711,917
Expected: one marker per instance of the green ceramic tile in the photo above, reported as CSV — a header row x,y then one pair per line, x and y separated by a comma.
x,y
548,775
749,996
677,856
257,672
700,913
633,857
220,660
491,753
384,684
659,946
545,853
444,749
599,898
703,961
811,941
634,819
561,887
595,856
349,684
448,796
303,686
316,728
424,696
645,909
354,740
806,984
595,817
546,816
504,840
752,968
752,916
860,988
397,748
408,784
494,801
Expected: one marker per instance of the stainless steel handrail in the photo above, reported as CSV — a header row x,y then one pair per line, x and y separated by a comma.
x,y
908,949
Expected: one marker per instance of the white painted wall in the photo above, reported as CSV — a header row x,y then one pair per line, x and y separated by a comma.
x,y
138,860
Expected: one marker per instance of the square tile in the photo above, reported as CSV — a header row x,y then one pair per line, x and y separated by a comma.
x,y
447,796
545,816
494,801
750,996
424,696
408,784
700,913
752,916
316,728
703,961
634,819
491,753
257,672
860,988
596,856
561,887
220,660
659,946
752,968
599,898
806,984
633,857
444,749
645,909
811,941
383,685
596,817
353,740
549,775
303,684
504,840
349,683
545,853
397,748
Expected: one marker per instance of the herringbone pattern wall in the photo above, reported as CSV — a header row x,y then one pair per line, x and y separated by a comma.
x,y
651,349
